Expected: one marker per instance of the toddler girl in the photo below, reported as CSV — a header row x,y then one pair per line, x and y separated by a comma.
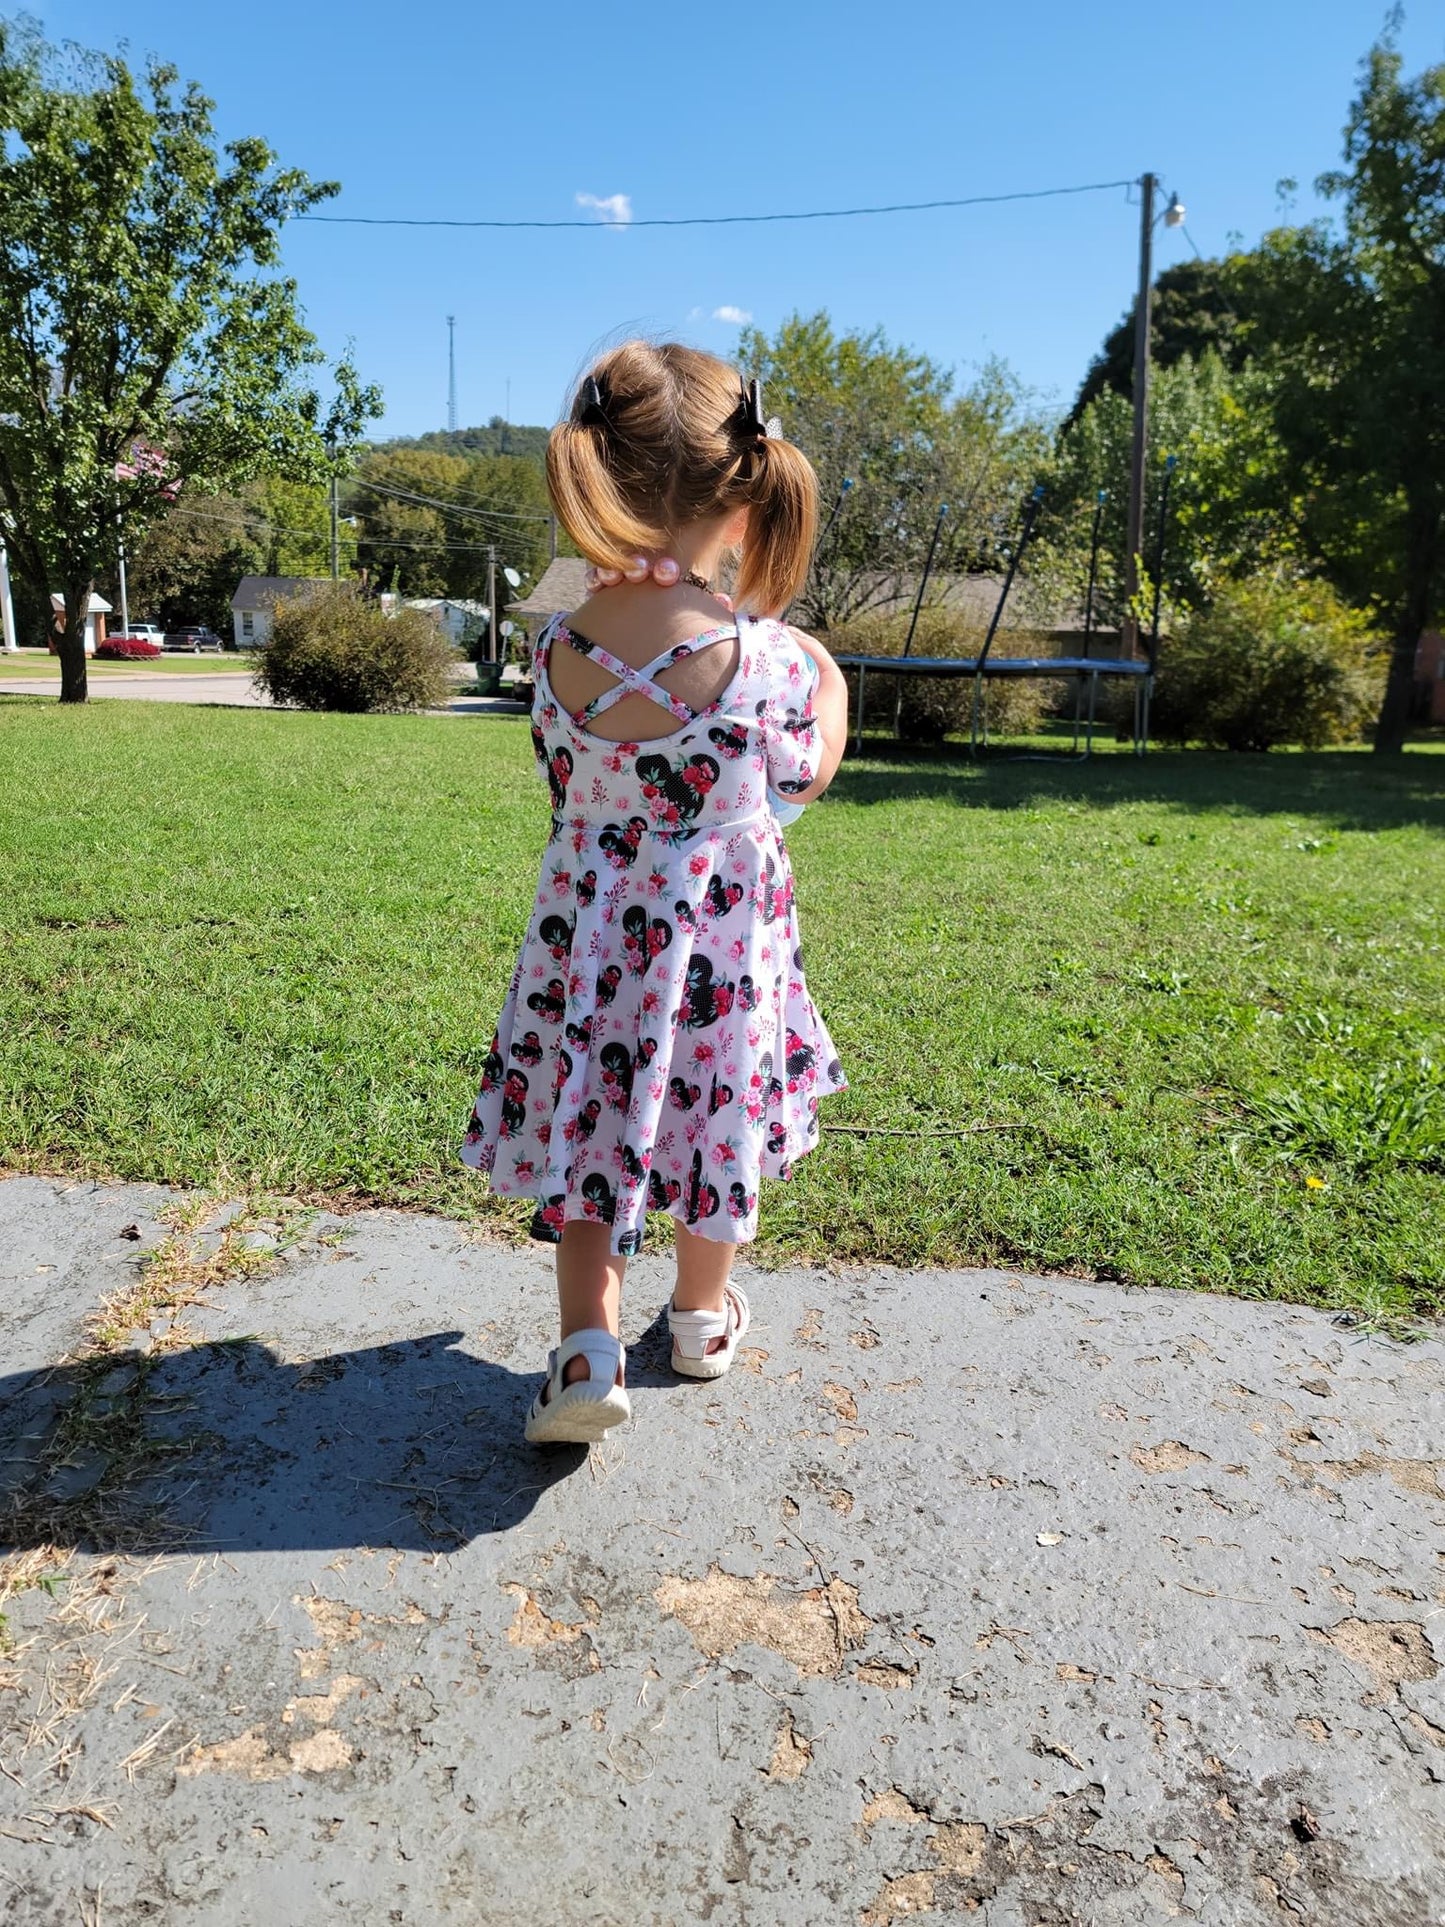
x,y
658,1049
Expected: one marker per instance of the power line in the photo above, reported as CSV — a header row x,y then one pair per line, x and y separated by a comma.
x,y
725,220
451,508
319,536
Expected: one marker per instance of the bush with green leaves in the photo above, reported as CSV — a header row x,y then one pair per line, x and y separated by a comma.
x,y
1271,660
336,650
935,707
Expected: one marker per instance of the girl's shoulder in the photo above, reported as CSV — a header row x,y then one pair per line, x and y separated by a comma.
x,y
778,663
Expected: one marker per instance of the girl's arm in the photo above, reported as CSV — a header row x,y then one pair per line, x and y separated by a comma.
x,y
830,706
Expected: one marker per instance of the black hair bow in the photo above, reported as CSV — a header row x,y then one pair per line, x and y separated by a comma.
x,y
750,413
593,413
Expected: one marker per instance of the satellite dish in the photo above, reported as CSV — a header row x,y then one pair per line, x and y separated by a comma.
x,y
513,578
508,627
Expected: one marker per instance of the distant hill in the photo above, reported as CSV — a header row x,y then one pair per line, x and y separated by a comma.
x,y
497,438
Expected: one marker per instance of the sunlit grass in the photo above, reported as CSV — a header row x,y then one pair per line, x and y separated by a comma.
x,y
268,950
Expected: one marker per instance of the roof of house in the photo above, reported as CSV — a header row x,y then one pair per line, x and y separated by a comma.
x,y
260,591
973,599
468,605
97,605
562,587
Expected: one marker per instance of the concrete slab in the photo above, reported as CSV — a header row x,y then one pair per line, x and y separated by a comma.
x,y
967,1594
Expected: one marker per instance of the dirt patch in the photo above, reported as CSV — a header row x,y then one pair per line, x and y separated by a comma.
x,y
568,1645
813,1630
883,1674
1393,1650
791,1752
1260,1840
340,1624
1421,1476
1170,1455
891,1804
840,1400
251,1755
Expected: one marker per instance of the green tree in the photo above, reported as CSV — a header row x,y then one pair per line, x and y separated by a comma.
x,y
187,564
1231,509
149,348
426,519
292,522
1351,326
887,419
1199,307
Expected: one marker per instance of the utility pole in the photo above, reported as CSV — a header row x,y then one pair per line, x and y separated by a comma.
x,y
491,602
120,556
451,374
1143,314
552,535
7,609
335,519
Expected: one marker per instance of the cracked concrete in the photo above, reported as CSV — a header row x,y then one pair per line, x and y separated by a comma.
x,y
1023,1600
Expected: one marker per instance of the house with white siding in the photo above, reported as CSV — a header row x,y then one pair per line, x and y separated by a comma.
x,y
255,600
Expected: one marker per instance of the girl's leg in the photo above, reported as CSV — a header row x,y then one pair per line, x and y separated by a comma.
x,y
589,1285
703,1265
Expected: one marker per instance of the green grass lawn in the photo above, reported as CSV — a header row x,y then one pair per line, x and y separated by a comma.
x,y
42,667
1205,995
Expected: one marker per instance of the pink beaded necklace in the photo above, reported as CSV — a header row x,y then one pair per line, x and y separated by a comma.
x,y
666,571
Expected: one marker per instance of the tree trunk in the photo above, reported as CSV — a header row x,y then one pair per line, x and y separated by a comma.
x,y
1421,560
73,680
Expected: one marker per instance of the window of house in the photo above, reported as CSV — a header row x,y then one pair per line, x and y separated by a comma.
x,y
245,622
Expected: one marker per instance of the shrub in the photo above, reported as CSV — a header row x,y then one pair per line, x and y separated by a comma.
x,y
333,650
935,707
126,649
1271,660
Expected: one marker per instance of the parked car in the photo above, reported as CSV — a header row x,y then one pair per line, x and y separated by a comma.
x,y
141,632
193,636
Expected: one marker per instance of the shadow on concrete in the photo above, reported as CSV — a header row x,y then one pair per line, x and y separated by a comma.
x,y
224,1447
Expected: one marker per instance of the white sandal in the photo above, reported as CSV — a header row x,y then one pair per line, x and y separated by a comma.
x,y
578,1413
694,1331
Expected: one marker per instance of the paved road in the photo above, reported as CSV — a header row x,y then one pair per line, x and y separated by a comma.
x,y
1021,1600
233,689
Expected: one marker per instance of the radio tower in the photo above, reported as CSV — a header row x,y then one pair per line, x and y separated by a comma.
x,y
452,374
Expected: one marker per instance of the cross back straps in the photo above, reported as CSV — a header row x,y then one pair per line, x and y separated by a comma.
x,y
639,681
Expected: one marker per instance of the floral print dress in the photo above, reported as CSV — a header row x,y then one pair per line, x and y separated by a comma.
x,y
658,1048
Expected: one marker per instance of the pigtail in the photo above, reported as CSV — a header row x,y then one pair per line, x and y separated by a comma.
x,y
660,437
585,494
782,526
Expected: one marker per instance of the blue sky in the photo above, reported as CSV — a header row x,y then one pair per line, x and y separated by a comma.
x,y
454,110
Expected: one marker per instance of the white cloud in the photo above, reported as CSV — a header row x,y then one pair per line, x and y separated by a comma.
x,y
729,313
612,210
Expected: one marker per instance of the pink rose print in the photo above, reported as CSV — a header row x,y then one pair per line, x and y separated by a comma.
x,y
698,864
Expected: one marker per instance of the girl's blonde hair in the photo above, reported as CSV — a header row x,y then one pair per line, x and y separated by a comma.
x,y
667,440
